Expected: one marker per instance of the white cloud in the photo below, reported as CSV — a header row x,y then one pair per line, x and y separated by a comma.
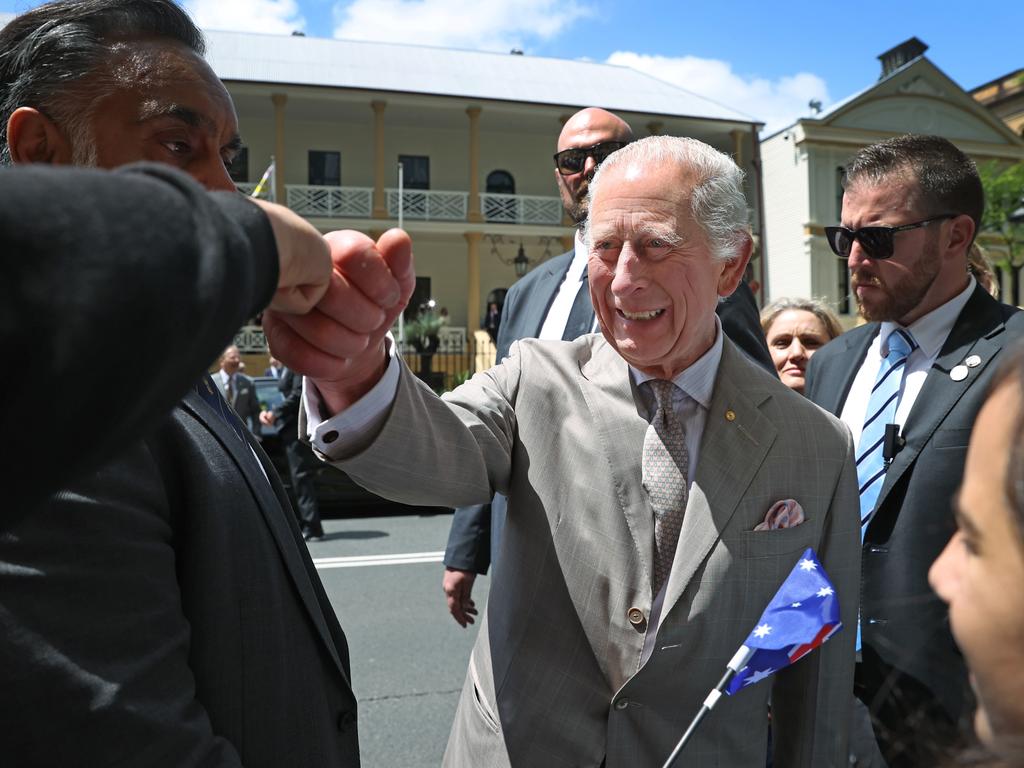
x,y
489,25
776,102
270,16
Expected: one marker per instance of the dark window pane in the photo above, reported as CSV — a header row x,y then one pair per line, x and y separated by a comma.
x,y
324,168
239,169
501,183
415,171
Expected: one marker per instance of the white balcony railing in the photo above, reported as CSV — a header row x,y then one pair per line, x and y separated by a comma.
x,y
429,205
267,193
521,209
250,340
354,202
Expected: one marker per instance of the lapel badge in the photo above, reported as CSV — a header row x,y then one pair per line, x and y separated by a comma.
x,y
973,361
730,415
959,373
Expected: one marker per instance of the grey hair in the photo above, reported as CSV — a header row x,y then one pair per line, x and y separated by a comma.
x,y
50,57
715,184
817,308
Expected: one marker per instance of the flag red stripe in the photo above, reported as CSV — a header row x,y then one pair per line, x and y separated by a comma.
x,y
800,651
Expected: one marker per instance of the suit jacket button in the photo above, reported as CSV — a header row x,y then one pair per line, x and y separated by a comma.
x,y
345,720
636,617
621,704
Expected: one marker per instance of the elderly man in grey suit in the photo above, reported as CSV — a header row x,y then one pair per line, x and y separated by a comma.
x,y
639,465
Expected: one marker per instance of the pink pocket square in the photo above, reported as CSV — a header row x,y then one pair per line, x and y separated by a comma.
x,y
782,514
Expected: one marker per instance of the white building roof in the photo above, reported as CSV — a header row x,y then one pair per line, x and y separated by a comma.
x,y
295,60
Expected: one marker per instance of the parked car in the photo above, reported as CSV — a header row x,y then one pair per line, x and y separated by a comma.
x,y
337,493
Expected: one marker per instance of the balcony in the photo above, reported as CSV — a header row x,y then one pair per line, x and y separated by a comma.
x,y
419,204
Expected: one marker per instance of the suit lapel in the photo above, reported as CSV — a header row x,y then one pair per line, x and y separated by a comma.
x,y
731,452
977,331
272,502
608,390
831,392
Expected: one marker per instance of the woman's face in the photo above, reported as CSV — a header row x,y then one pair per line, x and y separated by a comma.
x,y
793,337
980,575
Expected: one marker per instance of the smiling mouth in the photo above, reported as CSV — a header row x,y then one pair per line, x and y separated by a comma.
x,y
649,315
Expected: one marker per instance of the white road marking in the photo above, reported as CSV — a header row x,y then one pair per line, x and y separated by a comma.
x,y
359,561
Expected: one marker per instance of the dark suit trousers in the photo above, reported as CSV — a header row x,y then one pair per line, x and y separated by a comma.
x,y
302,465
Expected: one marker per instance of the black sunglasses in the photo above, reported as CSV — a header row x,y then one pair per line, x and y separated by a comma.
x,y
876,241
570,161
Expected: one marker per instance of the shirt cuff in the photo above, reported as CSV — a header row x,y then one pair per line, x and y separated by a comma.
x,y
354,428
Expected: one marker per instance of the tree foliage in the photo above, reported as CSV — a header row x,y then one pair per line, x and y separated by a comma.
x,y
1004,194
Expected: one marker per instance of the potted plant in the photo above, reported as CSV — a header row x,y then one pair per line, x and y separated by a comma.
x,y
423,332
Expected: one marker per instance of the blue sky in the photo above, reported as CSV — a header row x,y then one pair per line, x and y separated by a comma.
x,y
763,58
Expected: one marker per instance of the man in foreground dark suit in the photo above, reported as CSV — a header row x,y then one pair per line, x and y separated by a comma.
x,y
911,210
553,302
64,304
162,609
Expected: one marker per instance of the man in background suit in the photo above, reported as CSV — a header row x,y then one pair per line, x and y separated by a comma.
x,y
911,209
238,389
641,465
275,370
302,464
162,609
553,302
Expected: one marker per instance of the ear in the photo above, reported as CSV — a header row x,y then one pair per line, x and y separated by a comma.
x,y
34,138
733,272
960,235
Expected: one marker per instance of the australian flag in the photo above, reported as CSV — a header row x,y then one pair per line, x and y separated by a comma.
x,y
803,614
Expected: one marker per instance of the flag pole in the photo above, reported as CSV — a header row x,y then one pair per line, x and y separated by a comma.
x,y
738,661
401,207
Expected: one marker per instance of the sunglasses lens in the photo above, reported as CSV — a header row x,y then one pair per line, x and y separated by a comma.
x,y
571,161
839,240
876,241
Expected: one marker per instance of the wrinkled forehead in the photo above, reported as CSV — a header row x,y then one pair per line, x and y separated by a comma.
x,y
159,69
642,182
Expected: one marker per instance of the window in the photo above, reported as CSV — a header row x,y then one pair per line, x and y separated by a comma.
x,y
324,168
843,274
415,171
239,170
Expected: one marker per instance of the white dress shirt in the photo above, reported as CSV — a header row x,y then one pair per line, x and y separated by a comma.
x,y
930,333
558,312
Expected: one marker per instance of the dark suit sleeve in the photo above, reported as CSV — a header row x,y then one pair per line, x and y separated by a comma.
x,y
469,540
139,269
505,336
742,324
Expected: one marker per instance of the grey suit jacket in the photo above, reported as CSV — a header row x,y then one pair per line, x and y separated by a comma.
x,y
555,677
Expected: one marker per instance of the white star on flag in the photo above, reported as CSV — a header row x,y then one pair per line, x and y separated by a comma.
x,y
807,565
758,676
825,592
796,605
762,631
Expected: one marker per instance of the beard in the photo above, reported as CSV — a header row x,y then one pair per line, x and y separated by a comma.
x,y
576,208
898,298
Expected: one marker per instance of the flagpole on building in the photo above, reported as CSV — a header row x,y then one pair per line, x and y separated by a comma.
x,y
401,208
739,660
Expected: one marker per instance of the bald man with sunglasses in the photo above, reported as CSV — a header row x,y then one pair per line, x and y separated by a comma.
x,y
909,384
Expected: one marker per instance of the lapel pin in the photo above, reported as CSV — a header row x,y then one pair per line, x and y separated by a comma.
x,y
973,361
730,415
959,373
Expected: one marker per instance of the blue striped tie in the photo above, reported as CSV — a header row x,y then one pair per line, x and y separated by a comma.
x,y
885,397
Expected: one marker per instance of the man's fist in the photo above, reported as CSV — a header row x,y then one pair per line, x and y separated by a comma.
x,y
340,343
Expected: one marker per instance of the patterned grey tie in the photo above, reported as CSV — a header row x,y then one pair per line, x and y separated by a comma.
x,y
665,468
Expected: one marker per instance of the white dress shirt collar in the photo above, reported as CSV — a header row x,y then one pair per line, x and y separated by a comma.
x,y
930,331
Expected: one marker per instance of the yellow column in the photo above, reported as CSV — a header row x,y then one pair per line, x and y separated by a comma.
x,y
380,208
473,280
280,194
737,146
474,164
